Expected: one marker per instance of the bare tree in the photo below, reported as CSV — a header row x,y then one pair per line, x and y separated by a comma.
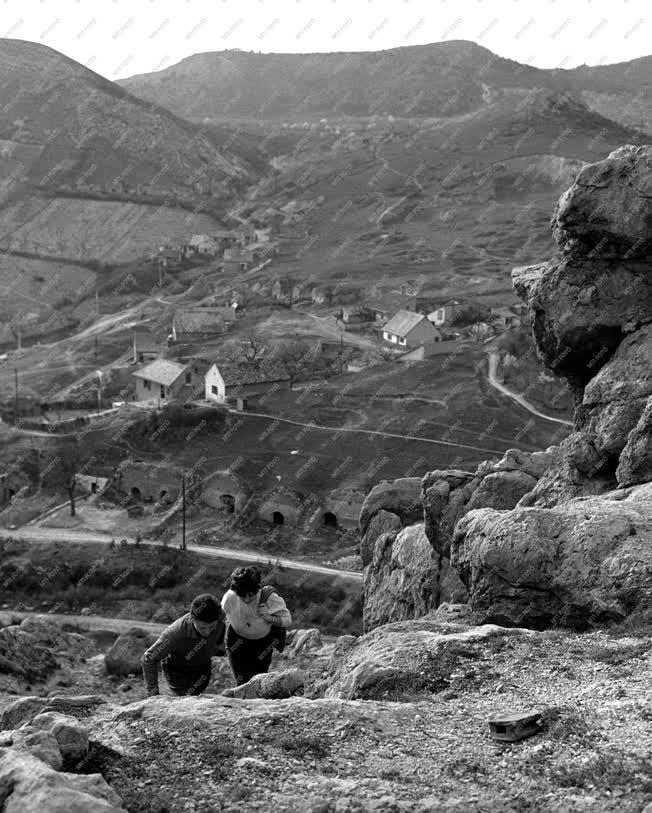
x,y
69,457
294,358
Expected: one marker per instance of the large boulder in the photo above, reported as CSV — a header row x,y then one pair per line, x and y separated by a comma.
x,y
271,686
124,657
395,661
25,709
69,733
401,497
606,212
382,522
615,398
28,785
635,462
35,648
578,564
406,578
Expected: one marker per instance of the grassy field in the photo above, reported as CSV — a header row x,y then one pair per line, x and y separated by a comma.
x,y
158,584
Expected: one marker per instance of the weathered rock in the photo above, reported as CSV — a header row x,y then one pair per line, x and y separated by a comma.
x,y
303,640
615,398
273,685
452,613
28,785
35,648
401,497
532,463
25,709
580,563
70,734
396,660
403,580
635,463
381,523
125,655
501,490
606,212
445,495
41,744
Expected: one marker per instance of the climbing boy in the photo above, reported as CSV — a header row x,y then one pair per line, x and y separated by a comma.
x,y
184,649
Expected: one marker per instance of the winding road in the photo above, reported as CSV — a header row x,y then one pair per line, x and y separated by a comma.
x,y
64,535
493,366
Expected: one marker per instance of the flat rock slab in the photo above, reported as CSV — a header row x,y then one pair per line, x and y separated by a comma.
x,y
512,726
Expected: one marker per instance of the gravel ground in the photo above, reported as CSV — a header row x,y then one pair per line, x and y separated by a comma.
x,y
431,752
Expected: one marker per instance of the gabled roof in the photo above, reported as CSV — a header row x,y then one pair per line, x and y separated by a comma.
x,y
389,301
202,320
403,322
235,373
161,371
200,239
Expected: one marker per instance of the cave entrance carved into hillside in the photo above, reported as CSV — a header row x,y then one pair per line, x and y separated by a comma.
x,y
330,520
278,518
135,493
227,502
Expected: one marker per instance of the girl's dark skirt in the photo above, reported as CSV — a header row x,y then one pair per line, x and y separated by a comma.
x,y
248,657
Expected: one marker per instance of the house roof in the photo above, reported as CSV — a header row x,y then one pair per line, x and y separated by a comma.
x,y
145,341
235,373
201,320
403,322
200,239
161,371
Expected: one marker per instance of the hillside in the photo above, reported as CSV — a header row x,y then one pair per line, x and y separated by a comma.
x,y
439,79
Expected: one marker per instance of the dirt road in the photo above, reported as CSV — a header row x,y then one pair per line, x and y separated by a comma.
x,y
493,365
37,534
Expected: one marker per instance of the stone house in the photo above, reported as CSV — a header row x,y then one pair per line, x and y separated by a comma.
x,y
236,259
225,381
385,306
283,290
445,314
161,380
407,329
204,244
356,314
197,324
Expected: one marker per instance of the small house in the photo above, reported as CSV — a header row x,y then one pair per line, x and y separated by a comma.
x,y
236,259
197,324
229,380
321,294
204,244
283,290
445,314
146,348
386,306
408,329
160,380
168,257
356,314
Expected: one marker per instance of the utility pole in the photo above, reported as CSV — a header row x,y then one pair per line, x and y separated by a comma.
x,y
183,512
15,396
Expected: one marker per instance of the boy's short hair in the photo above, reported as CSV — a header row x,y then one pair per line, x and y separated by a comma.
x,y
245,580
206,608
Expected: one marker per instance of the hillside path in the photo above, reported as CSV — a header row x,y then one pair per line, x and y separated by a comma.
x,y
39,534
369,432
493,365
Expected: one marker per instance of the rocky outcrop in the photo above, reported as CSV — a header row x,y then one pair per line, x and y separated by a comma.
x,y
274,686
26,708
34,649
406,578
581,563
635,462
125,655
401,497
399,660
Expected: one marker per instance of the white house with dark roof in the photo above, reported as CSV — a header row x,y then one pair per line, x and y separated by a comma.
x,y
161,380
228,380
408,329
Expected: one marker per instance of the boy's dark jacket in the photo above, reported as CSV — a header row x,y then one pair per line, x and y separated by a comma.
x,y
181,648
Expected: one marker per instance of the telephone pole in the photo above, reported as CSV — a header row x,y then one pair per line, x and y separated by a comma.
x,y
15,396
183,512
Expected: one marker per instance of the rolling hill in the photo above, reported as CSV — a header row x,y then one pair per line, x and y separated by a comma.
x,y
436,80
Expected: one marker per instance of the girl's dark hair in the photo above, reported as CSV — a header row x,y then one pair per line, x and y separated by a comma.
x,y
206,608
245,580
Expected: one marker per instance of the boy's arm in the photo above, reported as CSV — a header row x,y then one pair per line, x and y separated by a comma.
x,y
278,614
160,649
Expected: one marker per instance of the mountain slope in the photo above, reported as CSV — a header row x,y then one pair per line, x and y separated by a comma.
x,y
439,79
65,128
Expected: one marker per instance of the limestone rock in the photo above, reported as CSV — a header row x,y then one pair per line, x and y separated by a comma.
x,y
445,495
273,685
34,649
501,490
41,744
577,564
28,785
69,733
303,640
635,463
615,398
401,497
25,709
404,579
397,659
606,212
381,522
124,656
